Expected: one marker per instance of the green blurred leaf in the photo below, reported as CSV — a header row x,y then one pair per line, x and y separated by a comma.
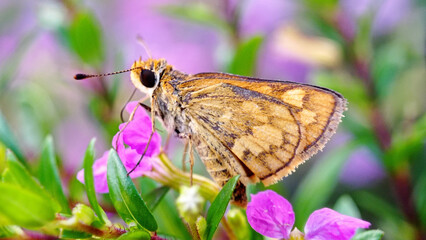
x,y
49,175
2,157
125,197
196,13
86,39
218,207
69,234
245,58
89,158
345,205
406,145
7,138
377,206
7,232
319,184
136,235
17,174
369,235
19,206
154,197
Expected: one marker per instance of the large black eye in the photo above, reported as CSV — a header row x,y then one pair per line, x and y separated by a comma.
x,y
148,78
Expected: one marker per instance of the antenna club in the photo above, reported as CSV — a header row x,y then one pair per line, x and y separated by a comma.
x,y
80,76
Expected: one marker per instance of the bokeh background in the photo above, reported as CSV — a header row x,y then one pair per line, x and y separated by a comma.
x,y
371,51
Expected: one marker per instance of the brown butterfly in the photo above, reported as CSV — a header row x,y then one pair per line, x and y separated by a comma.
x,y
258,129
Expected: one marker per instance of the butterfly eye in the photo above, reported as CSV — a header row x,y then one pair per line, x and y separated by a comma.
x,y
147,78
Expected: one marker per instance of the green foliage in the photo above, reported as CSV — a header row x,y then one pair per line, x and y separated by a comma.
x,y
125,197
136,235
26,208
85,35
154,197
369,235
196,13
49,175
89,157
245,58
8,139
218,207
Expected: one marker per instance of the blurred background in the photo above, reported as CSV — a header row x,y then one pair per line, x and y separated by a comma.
x,y
371,51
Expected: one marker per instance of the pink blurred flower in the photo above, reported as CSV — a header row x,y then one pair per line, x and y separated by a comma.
x,y
136,136
272,215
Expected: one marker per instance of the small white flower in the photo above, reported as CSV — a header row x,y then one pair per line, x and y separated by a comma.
x,y
190,202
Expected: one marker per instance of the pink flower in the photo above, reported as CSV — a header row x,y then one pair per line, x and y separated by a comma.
x,y
272,215
136,136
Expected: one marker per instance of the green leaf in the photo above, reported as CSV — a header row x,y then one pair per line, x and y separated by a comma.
x,y
136,235
7,138
17,174
154,197
245,58
125,197
218,207
69,234
369,235
345,205
19,206
319,184
197,13
49,175
86,39
89,158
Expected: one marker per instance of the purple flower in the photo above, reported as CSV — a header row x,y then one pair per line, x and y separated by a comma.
x,y
136,136
325,224
272,215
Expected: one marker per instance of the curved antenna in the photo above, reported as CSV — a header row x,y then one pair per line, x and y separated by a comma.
x,y
124,106
145,47
81,76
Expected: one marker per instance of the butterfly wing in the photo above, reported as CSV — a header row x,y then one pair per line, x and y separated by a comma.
x,y
266,127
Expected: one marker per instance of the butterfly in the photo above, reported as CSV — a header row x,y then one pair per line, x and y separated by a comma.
x,y
256,128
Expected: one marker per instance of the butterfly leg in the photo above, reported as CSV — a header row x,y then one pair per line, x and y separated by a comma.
x,y
185,152
149,141
132,115
191,160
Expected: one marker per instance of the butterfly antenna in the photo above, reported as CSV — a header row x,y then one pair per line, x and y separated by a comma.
x,y
143,43
124,106
81,76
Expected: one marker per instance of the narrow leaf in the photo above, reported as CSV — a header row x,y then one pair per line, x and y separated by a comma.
x,y
19,206
125,197
69,234
154,197
136,235
369,235
89,158
245,58
7,138
17,174
218,207
49,175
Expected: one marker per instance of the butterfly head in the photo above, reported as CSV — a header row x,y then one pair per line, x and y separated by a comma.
x,y
146,75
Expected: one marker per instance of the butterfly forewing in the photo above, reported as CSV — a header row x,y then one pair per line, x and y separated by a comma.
x,y
269,126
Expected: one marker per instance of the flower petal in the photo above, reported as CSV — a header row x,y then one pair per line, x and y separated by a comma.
x,y
99,174
130,158
270,214
136,133
326,224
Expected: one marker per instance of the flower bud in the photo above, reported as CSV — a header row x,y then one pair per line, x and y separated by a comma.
x,y
83,214
190,203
